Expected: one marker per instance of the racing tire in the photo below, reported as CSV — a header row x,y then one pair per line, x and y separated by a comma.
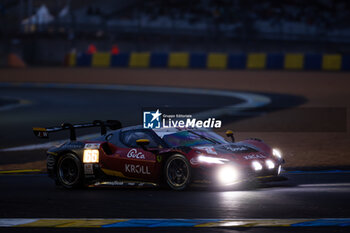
x,y
69,171
177,172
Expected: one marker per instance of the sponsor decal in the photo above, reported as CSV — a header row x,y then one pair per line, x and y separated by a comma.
x,y
88,169
137,169
155,119
133,153
235,149
194,161
255,156
208,149
159,158
92,145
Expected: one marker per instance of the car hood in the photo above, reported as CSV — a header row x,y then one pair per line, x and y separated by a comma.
x,y
233,151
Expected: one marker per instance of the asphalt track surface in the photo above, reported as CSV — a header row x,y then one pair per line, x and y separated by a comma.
x,y
303,195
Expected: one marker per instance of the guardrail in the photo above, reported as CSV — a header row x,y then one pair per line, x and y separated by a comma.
x,y
271,61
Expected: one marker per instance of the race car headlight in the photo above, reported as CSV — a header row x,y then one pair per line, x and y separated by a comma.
x,y
269,164
91,156
257,166
213,160
228,175
277,153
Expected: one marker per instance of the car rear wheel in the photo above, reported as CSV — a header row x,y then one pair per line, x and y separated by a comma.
x,y
69,171
177,172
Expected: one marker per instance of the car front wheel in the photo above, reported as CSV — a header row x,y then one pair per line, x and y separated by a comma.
x,y
177,172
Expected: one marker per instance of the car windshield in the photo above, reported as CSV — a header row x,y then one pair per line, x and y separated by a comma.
x,y
186,138
212,136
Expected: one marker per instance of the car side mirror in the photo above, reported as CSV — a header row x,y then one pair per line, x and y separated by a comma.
x,y
229,134
142,143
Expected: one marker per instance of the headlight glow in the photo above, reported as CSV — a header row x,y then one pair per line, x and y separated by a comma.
x,y
213,160
279,170
91,156
277,153
257,166
227,175
270,165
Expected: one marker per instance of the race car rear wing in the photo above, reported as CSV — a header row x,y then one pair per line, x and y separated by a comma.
x,y
44,132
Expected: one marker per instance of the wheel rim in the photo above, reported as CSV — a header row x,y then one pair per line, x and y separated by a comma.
x,y
177,172
68,171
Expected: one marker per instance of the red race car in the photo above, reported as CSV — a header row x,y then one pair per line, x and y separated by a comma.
x,y
172,156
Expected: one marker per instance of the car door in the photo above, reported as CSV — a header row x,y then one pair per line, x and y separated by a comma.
x,y
133,162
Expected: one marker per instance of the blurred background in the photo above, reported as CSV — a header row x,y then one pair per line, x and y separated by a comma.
x,y
43,32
